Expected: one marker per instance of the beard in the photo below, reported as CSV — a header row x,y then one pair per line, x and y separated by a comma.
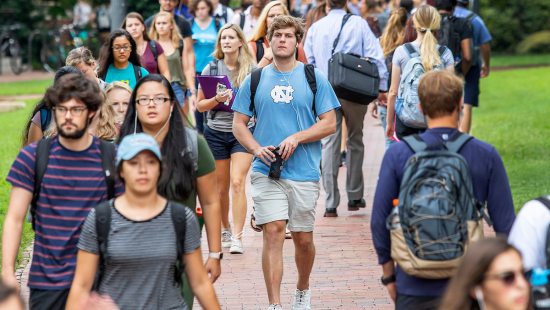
x,y
76,134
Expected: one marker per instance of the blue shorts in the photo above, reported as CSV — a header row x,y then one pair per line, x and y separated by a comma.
x,y
471,87
222,144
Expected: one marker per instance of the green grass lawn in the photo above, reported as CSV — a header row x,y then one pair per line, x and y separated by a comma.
x,y
24,88
513,116
519,60
12,128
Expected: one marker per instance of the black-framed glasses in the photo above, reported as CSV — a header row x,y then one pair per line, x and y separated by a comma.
x,y
124,48
156,100
75,111
508,278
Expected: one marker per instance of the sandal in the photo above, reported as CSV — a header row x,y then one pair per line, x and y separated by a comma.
x,y
256,228
288,234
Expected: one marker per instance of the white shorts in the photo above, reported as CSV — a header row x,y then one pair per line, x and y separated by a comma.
x,y
284,200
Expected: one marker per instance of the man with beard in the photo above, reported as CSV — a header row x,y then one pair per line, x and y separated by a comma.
x,y
73,183
294,116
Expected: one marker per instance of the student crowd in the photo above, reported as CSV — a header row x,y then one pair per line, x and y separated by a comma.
x,y
180,105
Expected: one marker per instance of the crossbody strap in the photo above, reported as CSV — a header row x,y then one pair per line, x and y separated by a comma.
x,y
344,21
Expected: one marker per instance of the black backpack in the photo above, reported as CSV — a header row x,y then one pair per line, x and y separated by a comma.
x,y
103,226
256,75
447,35
107,150
222,17
154,50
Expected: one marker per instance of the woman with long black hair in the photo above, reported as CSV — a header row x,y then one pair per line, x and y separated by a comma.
x,y
119,60
188,164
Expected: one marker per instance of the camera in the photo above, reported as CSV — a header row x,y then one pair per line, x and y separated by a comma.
x,y
277,166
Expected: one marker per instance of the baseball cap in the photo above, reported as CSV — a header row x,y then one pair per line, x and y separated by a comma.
x,y
132,145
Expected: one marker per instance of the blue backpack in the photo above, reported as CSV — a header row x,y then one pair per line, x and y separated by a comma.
x,y
406,104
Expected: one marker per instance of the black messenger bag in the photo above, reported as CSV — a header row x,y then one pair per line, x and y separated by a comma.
x,y
353,78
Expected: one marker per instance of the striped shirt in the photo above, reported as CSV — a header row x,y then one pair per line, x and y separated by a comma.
x,y
142,257
74,182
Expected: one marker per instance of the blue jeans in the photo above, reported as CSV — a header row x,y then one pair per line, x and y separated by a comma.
x,y
382,112
179,92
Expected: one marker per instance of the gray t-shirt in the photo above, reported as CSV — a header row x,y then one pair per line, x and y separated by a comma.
x,y
400,57
220,120
140,272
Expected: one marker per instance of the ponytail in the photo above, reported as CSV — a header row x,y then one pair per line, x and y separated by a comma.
x,y
394,33
427,20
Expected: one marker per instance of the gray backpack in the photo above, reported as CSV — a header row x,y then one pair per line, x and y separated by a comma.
x,y
437,211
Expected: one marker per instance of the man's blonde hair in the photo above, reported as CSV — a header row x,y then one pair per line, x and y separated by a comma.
x,y
287,21
440,93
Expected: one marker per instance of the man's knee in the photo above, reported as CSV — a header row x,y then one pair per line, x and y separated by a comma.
x,y
303,240
274,231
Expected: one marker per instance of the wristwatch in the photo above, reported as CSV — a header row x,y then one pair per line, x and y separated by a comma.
x,y
216,255
387,280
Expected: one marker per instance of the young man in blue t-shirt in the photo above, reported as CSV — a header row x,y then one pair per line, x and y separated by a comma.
x,y
440,94
286,118
73,183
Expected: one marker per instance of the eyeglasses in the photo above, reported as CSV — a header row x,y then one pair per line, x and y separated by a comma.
x,y
124,48
156,100
508,278
75,111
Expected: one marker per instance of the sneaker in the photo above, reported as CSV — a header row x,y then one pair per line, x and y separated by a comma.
x,y
275,307
226,238
236,246
302,300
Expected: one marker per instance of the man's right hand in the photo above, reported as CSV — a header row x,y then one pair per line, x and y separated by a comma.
x,y
10,280
265,154
392,291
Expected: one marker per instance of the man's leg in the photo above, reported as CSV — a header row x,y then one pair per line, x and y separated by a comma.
x,y
48,299
354,115
272,259
466,120
471,97
330,164
304,250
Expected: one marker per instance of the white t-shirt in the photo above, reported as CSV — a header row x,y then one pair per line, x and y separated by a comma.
x,y
528,234
249,22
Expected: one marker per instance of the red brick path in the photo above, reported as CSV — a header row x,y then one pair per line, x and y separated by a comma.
x,y
345,274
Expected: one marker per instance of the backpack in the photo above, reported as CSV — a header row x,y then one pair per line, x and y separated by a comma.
x,y
180,47
437,212
406,104
256,75
222,17
192,139
217,23
107,151
45,118
154,50
476,53
103,226
447,36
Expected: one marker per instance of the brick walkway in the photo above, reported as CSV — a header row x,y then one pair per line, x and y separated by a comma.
x,y
345,274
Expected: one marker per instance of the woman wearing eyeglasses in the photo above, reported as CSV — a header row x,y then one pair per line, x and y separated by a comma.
x,y
119,60
490,277
186,173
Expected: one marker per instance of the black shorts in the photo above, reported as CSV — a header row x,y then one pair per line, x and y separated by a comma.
x,y
471,87
48,299
406,302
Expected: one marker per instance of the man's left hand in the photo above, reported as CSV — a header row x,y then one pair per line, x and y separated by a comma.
x,y
213,268
287,147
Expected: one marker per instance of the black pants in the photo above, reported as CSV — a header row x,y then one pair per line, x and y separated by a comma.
x,y
402,130
48,299
406,302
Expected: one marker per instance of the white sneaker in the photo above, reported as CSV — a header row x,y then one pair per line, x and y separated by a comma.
x,y
236,246
226,238
302,300
275,307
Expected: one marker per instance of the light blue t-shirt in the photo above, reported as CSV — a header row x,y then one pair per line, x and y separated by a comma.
x,y
282,110
126,75
204,42
481,33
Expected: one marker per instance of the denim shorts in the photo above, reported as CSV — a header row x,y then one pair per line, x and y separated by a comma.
x,y
179,91
222,144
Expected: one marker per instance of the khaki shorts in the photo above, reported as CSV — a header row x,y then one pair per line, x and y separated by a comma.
x,y
284,200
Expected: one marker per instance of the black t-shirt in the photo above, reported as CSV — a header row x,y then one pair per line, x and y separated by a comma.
x,y
183,25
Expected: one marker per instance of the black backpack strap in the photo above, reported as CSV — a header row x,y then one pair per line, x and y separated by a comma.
x,y
154,49
42,157
441,50
259,50
217,24
344,21
470,17
241,23
108,154
45,118
137,72
224,13
546,203
457,142
180,46
179,220
310,77
255,77
102,228
415,143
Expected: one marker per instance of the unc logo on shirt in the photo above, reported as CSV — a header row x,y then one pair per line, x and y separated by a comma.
x,y
282,94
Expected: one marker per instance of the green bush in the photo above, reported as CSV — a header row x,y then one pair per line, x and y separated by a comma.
x,y
535,43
